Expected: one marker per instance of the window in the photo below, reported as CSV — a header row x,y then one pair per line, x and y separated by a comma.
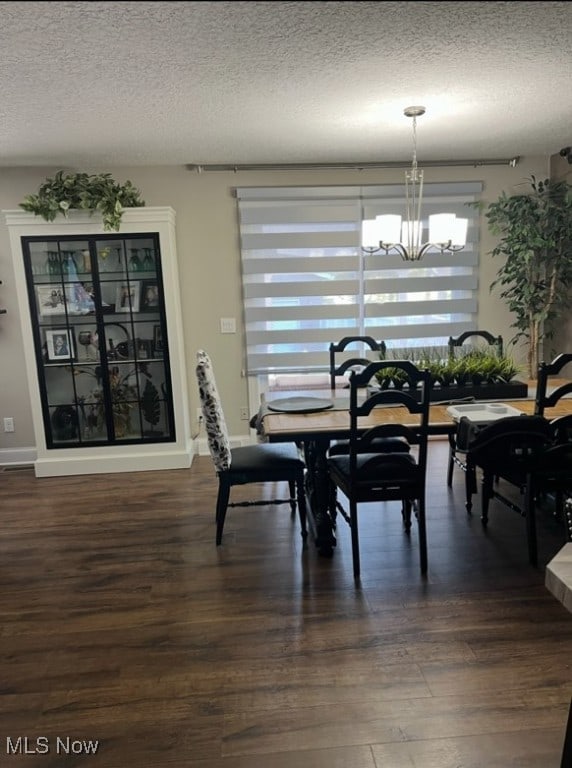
x,y
306,281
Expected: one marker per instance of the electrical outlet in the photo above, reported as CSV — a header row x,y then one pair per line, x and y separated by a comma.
x,y
244,414
199,414
8,424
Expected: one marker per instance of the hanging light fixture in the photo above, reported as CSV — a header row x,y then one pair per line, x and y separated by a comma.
x,y
388,232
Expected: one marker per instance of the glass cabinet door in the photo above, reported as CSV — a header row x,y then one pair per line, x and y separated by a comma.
x,y
99,324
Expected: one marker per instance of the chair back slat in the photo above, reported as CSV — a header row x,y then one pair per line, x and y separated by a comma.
x,y
419,381
340,346
493,341
512,442
542,400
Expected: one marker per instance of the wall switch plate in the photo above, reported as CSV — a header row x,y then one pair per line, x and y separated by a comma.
x,y
8,424
228,325
244,414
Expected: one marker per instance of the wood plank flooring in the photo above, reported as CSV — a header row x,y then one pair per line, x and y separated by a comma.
x,y
122,623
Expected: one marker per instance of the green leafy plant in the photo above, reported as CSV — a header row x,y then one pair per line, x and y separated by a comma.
x,y
81,191
535,231
474,366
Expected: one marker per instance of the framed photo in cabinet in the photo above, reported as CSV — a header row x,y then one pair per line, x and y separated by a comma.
x,y
127,297
60,344
150,296
51,300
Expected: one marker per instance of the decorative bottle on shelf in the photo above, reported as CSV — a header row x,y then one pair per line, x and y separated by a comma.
x,y
148,260
69,266
135,264
52,263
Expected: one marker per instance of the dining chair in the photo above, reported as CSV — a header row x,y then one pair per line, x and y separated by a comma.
x,y
542,399
370,476
358,364
491,339
562,425
338,369
456,453
258,463
521,451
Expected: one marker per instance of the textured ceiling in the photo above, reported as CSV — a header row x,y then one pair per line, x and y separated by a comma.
x,y
139,83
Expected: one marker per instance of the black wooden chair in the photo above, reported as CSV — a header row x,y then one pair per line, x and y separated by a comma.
x,y
492,341
543,400
366,476
358,364
341,368
521,451
561,425
258,463
457,454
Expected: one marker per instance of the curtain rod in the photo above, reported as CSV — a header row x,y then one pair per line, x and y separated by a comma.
x,y
199,168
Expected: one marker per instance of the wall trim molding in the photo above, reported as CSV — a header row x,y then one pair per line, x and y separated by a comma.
x,y
17,456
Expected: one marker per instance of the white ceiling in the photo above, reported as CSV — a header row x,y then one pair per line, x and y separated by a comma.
x,y
162,83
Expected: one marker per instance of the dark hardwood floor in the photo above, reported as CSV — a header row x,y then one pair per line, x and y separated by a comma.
x,y
122,623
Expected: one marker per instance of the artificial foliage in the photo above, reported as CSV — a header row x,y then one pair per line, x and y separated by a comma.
x,y
151,404
471,367
535,279
82,191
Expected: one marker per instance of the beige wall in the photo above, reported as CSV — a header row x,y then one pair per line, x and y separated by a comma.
x,y
209,265
560,170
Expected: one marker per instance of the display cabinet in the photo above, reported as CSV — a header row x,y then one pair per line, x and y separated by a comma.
x,y
102,329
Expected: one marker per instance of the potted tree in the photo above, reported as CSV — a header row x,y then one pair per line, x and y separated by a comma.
x,y
96,192
535,229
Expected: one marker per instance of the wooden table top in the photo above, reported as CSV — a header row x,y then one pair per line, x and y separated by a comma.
x,y
334,424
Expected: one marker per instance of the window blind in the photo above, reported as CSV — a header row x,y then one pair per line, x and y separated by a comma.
x,y
306,281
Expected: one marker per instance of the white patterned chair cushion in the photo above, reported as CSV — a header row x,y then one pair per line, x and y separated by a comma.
x,y
217,434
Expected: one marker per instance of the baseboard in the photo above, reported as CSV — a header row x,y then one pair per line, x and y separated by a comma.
x,y
16,457
10,457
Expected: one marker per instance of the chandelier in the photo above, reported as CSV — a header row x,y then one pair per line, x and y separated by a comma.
x,y
447,232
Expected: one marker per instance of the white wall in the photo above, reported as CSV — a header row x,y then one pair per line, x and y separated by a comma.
x,y
209,265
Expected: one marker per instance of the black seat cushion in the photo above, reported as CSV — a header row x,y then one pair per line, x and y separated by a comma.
x,y
380,467
269,457
378,444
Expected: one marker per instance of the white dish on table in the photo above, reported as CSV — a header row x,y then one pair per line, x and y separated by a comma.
x,y
482,412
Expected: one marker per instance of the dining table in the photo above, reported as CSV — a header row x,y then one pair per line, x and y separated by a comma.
x,y
314,419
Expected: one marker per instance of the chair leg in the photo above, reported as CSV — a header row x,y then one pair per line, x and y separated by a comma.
x,y
422,534
487,494
470,486
530,519
451,463
406,514
292,487
221,506
301,497
332,502
355,538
